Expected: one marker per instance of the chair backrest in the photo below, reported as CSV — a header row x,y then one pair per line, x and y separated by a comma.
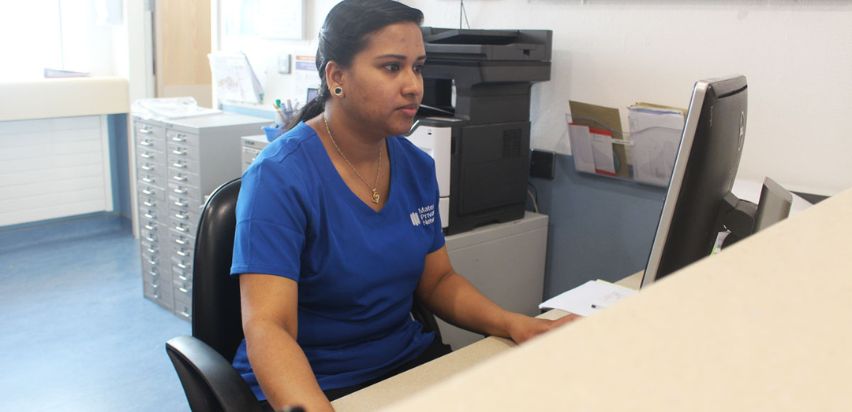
x,y
215,294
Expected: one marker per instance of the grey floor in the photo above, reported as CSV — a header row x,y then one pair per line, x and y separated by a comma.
x,y
75,332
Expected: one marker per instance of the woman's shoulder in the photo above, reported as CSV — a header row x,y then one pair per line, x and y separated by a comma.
x,y
288,155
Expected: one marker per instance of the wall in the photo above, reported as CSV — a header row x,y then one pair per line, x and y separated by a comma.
x,y
797,56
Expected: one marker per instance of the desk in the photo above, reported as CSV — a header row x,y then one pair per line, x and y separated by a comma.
x,y
760,326
415,380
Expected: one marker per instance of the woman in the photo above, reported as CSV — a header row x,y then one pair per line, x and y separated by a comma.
x,y
327,253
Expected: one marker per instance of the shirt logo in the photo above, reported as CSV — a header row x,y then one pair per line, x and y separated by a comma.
x,y
424,215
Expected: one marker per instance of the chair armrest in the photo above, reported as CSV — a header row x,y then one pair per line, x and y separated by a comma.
x,y
209,381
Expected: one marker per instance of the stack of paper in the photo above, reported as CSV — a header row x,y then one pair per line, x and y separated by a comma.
x,y
588,298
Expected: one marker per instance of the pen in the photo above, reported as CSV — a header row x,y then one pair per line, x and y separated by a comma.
x,y
280,113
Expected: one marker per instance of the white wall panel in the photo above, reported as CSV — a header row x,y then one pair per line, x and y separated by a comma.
x,y
53,168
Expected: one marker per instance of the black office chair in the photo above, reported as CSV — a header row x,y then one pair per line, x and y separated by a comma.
x,y
203,360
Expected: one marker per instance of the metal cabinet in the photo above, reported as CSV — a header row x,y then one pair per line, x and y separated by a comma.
x,y
178,163
252,146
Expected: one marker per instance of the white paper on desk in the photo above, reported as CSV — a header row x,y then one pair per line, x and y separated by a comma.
x,y
579,300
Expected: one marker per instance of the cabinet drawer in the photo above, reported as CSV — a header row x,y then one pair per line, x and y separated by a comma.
x,y
185,202
183,138
155,179
150,168
151,156
177,151
150,136
150,233
190,192
185,164
181,275
151,271
182,247
249,154
181,270
161,294
181,264
151,141
183,290
152,213
151,206
183,306
184,177
152,191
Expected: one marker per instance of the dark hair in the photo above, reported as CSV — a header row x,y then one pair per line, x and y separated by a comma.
x,y
344,34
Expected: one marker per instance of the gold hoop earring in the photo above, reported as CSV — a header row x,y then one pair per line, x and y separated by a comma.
x,y
338,91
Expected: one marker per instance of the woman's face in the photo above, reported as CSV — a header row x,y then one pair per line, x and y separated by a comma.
x,y
383,87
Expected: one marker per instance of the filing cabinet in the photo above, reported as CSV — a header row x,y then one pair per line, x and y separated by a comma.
x,y
252,145
178,163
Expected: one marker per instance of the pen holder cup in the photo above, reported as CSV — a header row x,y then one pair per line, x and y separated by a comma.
x,y
272,132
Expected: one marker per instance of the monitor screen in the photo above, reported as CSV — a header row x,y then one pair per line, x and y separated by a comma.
x,y
313,92
703,174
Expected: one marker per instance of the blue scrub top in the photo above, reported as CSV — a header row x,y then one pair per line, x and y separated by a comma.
x,y
356,268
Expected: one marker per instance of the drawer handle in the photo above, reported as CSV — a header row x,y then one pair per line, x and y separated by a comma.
x,y
183,278
179,191
149,204
146,142
178,203
147,192
152,261
182,216
147,167
149,215
150,239
185,312
184,290
181,253
179,152
145,130
180,138
147,180
182,228
146,155
182,243
149,227
152,251
180,178
182,265
179,165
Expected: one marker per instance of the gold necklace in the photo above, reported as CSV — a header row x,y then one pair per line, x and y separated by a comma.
x,y
374,192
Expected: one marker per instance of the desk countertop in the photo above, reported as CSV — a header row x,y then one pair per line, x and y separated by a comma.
x,y
439,370
761,326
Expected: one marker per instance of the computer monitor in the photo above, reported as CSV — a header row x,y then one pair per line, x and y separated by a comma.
x,y
703,174
774,205
313,92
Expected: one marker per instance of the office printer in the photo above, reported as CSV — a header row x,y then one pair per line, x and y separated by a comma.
x,y
474,119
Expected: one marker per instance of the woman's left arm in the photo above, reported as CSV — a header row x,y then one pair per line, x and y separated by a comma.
x,y
455,300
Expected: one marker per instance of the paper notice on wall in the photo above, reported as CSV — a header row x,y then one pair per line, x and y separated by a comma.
x,y
234,79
